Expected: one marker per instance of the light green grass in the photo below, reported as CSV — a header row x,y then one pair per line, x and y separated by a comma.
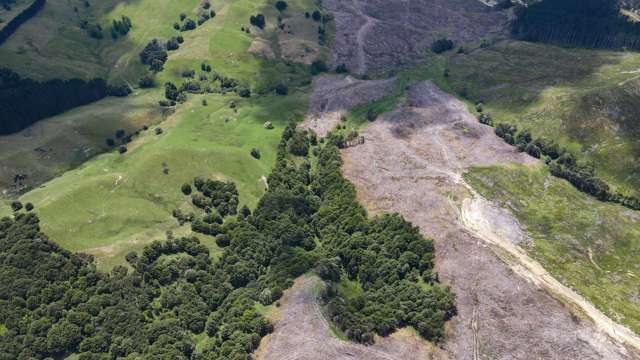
x,y
50,147
52,45
588,100
591,246
60,143
117,203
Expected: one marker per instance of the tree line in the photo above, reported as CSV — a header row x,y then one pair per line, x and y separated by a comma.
x,y
562,163
25,101
20,19
588,23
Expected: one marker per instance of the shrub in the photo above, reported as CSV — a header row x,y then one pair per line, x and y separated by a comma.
x,y
186,189
110,142
16,206
147,81
172,44
316,16
255,153
485,119
258,21
171,91
28,206
122,149
223,240
441,45
318,67
154,50
188,25
342,69
533,150
372,115
244,92
282,89
281,5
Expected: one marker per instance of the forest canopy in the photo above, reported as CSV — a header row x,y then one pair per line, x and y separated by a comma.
x,y
54,303
25,101
588,23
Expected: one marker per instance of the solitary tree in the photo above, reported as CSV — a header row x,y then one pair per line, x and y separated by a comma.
x,y
281,5
16,206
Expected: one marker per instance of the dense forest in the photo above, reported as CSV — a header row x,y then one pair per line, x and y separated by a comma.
x,y
54,303
25,101
19,19
588,23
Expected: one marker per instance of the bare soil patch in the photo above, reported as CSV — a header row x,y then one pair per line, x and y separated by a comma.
x,y
303,333
378,35
333,96
411,163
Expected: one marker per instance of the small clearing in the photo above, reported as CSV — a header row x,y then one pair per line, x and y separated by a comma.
x,y
303,333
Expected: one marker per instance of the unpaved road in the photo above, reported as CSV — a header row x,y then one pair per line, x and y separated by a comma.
x,y
379,35
411,163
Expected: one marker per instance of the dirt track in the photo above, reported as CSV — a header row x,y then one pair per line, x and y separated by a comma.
x,y
412,163
379,35
333,96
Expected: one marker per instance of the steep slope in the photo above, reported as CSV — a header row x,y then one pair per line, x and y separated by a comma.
x,y
412,162
586,100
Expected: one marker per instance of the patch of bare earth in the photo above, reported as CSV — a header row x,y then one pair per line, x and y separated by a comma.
x,y
333,96
262,48
378,35
303,333
412,163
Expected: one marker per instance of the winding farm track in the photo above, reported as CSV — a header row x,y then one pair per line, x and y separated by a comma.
x,y
379,35
508,304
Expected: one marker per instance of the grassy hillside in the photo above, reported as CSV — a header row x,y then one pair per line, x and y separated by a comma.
x,y
48,148
55,145
591,246
52,44
117,203
587,100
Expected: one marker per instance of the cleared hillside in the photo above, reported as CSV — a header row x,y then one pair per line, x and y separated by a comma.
x,y
586,100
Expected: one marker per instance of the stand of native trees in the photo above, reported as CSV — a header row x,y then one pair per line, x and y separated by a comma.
x,y
54,303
